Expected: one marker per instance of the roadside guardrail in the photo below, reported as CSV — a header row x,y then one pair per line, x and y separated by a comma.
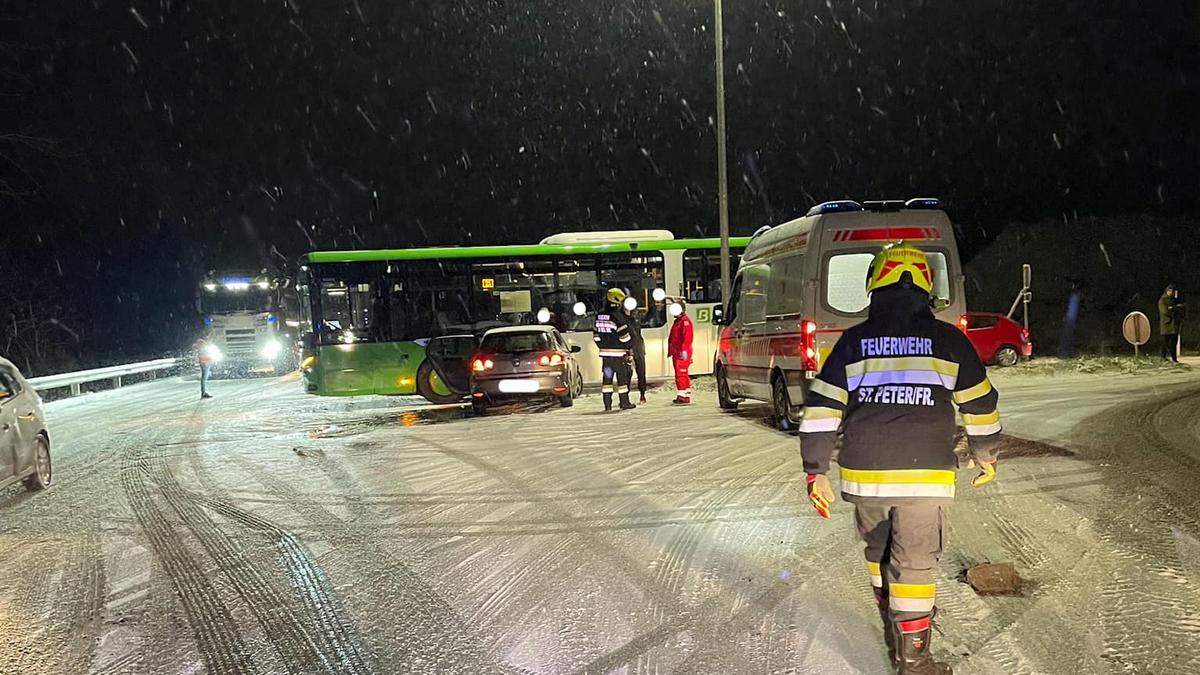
x,y
111,373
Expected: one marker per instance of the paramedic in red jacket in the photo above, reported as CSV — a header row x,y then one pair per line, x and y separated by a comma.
x,y
679,348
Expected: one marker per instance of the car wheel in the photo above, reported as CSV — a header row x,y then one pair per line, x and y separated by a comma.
x,y
724,400
1007,356
577,389
43,469
566,401
781,400
425,385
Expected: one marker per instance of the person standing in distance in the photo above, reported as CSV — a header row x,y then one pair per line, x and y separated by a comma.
x,y
892,383
204,356
1170,317
638,350
679,348
611,333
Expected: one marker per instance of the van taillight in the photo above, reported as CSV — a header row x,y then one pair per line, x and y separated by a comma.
x,y
808,345
962,323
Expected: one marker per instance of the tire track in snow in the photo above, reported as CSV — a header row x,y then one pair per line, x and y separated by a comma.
x,y
1150,608
214,630
432,631
315,637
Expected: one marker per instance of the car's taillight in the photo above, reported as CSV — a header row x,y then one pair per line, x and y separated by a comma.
x,y
1025,335
551,359
481,364
808,345
962,323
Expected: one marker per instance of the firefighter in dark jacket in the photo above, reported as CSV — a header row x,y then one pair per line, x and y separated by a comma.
x,y
892,383
615,342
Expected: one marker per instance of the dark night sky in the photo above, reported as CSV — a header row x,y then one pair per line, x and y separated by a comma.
x,y
188,135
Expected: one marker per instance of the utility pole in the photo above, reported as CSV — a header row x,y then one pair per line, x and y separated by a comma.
x,y
722,171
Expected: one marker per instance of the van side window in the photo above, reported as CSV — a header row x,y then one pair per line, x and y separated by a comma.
x,y
754,293
786,291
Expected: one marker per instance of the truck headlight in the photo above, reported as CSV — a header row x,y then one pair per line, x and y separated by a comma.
x,y
213,352
270,350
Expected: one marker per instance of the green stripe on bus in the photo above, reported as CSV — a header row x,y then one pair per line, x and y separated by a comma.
x,y
467,252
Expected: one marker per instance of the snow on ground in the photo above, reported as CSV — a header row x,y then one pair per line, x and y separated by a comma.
x,y
264,531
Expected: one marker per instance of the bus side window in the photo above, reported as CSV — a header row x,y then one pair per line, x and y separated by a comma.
x,y
702,274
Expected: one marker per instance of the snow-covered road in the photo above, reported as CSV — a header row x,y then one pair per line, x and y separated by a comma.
x,y
269,532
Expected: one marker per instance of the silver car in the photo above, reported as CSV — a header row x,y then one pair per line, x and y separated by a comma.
x,y
24,441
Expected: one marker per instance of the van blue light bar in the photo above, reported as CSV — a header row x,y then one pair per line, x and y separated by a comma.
x,y
834,207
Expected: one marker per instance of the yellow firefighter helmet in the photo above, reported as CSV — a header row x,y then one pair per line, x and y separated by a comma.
x,y
893,261
616,296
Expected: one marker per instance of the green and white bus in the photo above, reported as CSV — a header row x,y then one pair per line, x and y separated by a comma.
x,y
406,321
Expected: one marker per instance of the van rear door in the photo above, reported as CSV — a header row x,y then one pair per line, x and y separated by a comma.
x,y
849,241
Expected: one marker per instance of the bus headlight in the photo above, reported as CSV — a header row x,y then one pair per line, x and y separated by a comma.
x,y
270,350
213,352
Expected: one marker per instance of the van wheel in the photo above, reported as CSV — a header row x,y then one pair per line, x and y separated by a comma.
x,y
724,400
1007,356
781,400
428,385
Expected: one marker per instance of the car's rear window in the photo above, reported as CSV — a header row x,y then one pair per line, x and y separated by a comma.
x,y
515,343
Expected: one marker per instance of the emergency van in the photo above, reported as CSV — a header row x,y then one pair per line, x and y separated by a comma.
x,y
801,284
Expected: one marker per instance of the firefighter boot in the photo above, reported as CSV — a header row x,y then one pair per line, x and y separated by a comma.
x,y
626,404
913,649
881,601
607,402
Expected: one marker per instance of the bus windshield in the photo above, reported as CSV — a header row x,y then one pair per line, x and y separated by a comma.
x,y
410,300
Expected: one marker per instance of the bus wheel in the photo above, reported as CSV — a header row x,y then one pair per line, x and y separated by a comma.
x,y
782,402
724,400
431,386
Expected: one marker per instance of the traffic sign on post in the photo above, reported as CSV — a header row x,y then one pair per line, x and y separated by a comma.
x,y
1136,329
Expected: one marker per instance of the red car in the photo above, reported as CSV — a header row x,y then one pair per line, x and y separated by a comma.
x,y
997,338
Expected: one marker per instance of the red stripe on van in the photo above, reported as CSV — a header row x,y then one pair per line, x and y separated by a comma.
x,y
888,234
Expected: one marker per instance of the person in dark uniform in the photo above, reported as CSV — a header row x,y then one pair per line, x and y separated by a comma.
x,y
1170,316
892,384
638,351
611,333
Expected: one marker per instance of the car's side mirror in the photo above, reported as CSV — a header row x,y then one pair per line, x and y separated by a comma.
x,y
575,349
718,315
